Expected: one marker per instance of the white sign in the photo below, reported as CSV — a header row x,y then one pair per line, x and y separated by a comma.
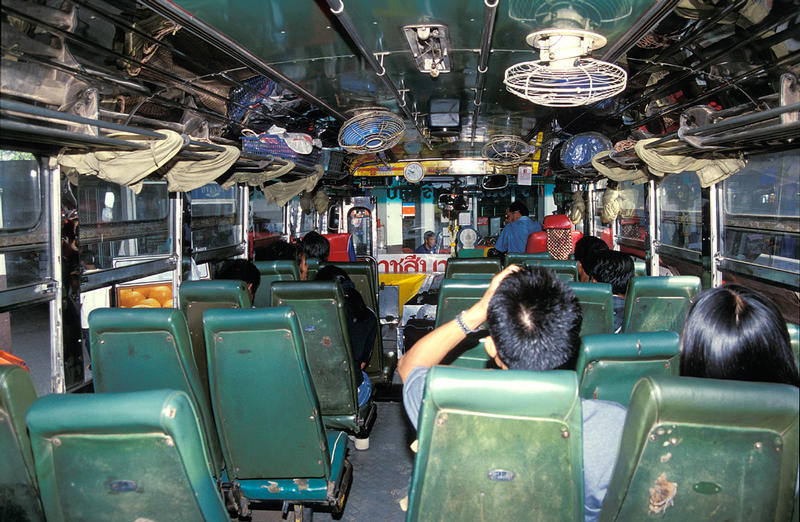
x,y
412,263
524,173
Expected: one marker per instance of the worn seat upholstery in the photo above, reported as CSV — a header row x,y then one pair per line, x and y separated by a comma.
x,y
198,296
19,496
267,412
456,295
122,456
609,365
567,269
138,349
597,305
504,445
365,278
472,268
282,270
706,449
319,306
658,303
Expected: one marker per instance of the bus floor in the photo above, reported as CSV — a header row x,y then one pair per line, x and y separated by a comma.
x,y
381,474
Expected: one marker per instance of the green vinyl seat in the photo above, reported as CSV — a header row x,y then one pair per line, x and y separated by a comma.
x,y
472,268
319,306
500,445
365,278
198,296
19,496
122,456
658,303
267,413
567,270
597,306
609,365
139,349
313,267
520,258
280,270
639,268
794,339
706,449
456,295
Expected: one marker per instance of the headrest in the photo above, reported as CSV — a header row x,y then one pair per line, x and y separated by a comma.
x,y
557,221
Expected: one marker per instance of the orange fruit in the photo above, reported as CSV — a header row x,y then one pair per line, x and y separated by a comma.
x,y
129,298
149,303
166,303
160,293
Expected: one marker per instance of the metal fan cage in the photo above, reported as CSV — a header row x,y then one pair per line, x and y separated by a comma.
x,y
587,81
371,131
506,151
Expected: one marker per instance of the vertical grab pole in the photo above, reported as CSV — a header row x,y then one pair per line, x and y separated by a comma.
x,y
244,220
652,226
57,383
714,229
590,210
176,225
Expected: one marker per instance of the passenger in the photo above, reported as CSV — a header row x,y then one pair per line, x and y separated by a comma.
x,y
534,324
733,332
276,251
514,236
429,246
313,246
362,325
241,270
616,269
585,250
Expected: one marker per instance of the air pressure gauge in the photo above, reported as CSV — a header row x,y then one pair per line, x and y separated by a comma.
x,y
413,172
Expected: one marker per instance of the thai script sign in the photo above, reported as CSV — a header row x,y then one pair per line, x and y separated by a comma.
x,y
412,263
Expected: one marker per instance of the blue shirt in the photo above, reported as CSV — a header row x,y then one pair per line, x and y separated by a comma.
x,y
602,431
514,236
423,249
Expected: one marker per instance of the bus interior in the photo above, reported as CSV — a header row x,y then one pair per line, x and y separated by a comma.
x,y
145,142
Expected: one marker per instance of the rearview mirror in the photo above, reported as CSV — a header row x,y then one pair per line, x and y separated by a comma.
x,y
494,182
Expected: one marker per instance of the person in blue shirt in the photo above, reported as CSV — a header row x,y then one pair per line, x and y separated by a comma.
x,y
534,322
429,246
514,236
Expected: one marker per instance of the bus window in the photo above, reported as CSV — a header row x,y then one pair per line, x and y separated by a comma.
x,y
680,198
633,216
215,217
359,226
20,194
301,220
267,216
114,221
761,210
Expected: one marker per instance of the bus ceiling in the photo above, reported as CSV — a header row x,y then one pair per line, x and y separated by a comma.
x,y
508,82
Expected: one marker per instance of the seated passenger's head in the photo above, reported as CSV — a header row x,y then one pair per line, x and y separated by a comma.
x,y
312,246
732,332
586,249
276,251
430,238
614,268
515,211
241,270
534,321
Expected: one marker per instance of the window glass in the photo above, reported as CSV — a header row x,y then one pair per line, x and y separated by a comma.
x,y
20,195
267,216
215,217
25,333
761,206
113,221
421,213
633,215
681,218
302,218
359,226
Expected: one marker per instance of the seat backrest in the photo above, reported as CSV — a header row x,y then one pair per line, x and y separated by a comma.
x,y
472,267
139,349
319,306
282,270
597,305
256,354
20,498
567,270
794,339
198,296
365,279
658,302
706,449
456,295
505,443
610,364
122,456
341,247
517,258
537,243
639,268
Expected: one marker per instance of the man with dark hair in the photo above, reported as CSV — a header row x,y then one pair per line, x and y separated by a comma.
x,y
514,236
429,246
585,252
241,270
616,269
313,246
534,322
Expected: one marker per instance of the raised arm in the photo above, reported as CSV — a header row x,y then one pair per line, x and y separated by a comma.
x,y
431,349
